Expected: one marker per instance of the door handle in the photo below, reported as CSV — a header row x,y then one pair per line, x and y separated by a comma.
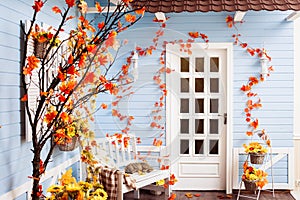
x,y
225,117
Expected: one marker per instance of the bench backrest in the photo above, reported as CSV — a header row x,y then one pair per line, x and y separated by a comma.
x,y
116,151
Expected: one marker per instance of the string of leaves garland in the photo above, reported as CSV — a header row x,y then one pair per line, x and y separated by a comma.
x,y
67,94
157,122
252,177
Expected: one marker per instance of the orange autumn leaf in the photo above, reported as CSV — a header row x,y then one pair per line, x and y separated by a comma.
x,y
50,116
153,125
71,70
56,9
114,112
44,93
194,34
251,51
67,87
64,116
130,18
98,6
245,88
33,62
165,167
110,41
38,5
243,45
104,106
140,11
189,195
70,59
249,133
229,21
70,3
102,59
61,98
268,142
172,197
100,25
24,98
90,77
253,80
254,124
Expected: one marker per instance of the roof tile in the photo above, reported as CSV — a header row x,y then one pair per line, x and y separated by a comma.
x,y
167,6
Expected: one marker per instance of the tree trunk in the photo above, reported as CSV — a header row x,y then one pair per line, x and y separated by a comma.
x,y
36,176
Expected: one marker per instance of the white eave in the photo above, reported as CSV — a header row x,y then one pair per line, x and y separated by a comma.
x,y
160,16
238,16
293,16
91,10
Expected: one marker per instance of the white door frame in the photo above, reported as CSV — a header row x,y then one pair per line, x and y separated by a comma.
x,y
229,150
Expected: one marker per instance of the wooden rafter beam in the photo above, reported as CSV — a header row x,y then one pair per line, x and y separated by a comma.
x,y
160,16
238,16
293,16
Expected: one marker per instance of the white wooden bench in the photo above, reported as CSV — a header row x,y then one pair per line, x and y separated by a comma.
x,y
112,152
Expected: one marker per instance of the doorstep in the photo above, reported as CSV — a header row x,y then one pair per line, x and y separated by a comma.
x,y
296,194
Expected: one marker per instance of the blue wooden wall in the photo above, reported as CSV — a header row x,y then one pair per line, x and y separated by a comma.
x,y
261,29
15,154
268,29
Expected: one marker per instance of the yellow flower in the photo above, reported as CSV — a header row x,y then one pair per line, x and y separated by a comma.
x,y
99,194
55,189
160,182
255,147
71,189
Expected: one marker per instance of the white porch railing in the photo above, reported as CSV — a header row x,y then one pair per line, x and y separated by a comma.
x,y
50,174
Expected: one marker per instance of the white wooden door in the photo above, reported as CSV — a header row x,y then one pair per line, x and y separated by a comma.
x,y
196,117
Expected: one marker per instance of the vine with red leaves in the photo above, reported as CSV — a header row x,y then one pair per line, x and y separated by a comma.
x,y
254,101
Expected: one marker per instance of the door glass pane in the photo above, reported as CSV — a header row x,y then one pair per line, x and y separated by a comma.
x,y
213,126
184,84
184,147
199,146
199,105
214,64
199,126
214,105
199,84
184,126
199,65
184,64
214,147
214,85
184,105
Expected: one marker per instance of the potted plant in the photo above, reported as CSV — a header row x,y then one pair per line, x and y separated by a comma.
x,y
42,39
70,189
66,137
254,178
257,152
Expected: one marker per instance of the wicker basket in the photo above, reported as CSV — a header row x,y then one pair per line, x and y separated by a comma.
x,y
250,185
257,158
40,49
69,146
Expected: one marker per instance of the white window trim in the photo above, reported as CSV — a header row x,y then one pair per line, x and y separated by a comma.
x,y
229,143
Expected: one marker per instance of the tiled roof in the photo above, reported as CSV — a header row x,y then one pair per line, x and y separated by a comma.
x,y
167,6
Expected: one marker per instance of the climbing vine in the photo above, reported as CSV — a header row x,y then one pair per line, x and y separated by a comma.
x,y
254,101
